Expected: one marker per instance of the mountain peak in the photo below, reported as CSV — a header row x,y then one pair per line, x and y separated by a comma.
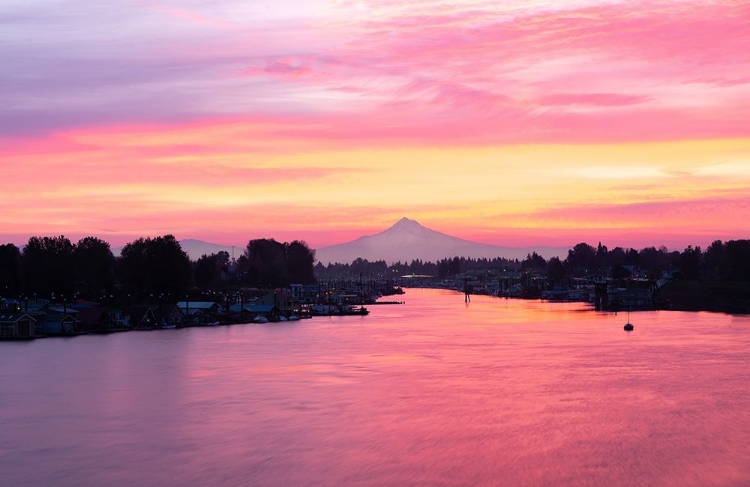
x,y
406,223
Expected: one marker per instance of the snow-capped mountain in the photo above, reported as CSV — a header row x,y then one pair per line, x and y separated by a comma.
x,y
408,240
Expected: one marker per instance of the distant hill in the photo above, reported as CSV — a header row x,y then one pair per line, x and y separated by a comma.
x,y
196,248
407,240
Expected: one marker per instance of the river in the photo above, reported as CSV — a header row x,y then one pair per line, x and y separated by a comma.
x,y
432,392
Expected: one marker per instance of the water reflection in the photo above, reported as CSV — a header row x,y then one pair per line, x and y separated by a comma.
x,y
432,392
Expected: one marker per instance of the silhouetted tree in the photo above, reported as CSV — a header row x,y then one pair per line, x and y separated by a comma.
x,y
48,266
266,263
95,265
10,270
620,272
173,271
556,271
654,260
713,260
689,263
300,259
631,258
133,267
737,260
454,267
359,266
207,272
602,255
155,266
582,256
533,261
442,268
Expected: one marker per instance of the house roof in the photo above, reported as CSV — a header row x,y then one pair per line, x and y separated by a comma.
x,y
260,308
62,309
91,315
13,317
196,304
253,308
141,311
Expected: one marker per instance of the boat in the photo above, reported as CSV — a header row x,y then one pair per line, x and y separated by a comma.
x,y
294,318
260,319
338,310
362,311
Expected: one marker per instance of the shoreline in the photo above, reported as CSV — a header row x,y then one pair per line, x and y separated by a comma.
x,y
732,298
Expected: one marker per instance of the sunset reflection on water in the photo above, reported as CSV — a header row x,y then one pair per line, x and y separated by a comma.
x,y
432,392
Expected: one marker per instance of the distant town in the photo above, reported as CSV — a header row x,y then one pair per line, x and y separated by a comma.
x,y
55,287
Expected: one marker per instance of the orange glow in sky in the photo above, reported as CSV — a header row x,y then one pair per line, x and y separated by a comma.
x,y
525,123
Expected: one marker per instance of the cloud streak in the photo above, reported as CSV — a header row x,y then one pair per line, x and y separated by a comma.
x,y
532,72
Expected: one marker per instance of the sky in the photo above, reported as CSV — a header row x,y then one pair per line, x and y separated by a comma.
x,y
515,123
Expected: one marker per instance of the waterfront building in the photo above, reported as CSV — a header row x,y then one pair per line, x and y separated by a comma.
x,y
198,312
57,320
248,312
305,293
286,304
15,326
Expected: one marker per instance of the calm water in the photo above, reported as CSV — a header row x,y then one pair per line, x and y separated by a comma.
x,y
433,392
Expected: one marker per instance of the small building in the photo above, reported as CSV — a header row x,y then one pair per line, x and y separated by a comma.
x,y
305,293
248,312
169,314
102,320
119,319
268,311
198,312
240,313
634,298
142,317
57,320
286,304
16,326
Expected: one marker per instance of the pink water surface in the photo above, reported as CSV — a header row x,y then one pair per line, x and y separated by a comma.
x,y
432,392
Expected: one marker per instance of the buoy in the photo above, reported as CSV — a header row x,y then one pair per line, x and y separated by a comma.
x,y
628,326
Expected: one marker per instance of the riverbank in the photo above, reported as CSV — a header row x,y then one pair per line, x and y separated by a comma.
x,y
725,297
712,296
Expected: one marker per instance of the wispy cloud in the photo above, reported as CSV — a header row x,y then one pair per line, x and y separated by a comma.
x,y
536,64
595,99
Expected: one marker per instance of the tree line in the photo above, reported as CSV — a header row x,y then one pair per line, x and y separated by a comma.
x,y
159,266
146,267
379,269
721,261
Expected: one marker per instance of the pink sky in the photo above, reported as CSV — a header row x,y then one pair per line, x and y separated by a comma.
x,y
520,123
